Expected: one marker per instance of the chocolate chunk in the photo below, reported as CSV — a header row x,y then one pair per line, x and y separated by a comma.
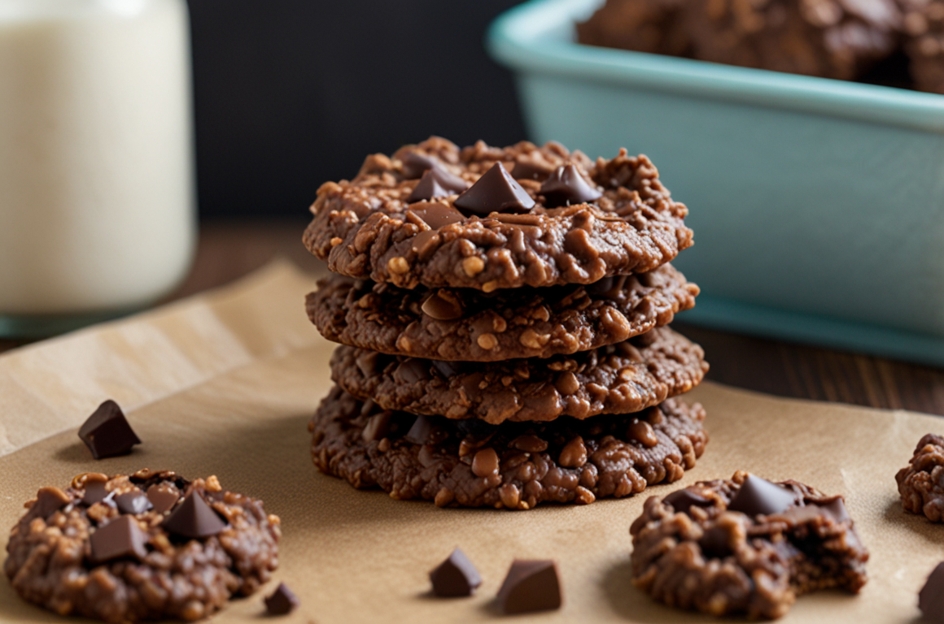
x,y
436,215
50,500
566,186
530,586
931,596
95,492
133,502
495,191
194,518
107,433
442,305
758,496
122,537
415,163
436,182
447,369
456,576
530,170
162,497
378,426
715,543
413,371
282,601
684,499
419,432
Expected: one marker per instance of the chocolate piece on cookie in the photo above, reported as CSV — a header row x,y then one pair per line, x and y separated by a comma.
x,y
470,463
923,28
114,559
469,325
919,484
693,550
623,221
617,379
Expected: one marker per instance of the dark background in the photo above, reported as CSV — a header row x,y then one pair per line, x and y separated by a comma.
x,y
291,93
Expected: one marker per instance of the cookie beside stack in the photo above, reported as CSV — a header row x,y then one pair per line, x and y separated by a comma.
x,y
503,319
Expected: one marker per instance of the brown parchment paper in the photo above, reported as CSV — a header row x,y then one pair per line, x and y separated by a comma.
x,y
224,384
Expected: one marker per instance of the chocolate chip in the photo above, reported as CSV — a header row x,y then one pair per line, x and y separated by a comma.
x,y
715,543
415,163
282,601
50,500
495,191
530,586
456,576
758,496
377,428
684,499
194,518
931,596
163,497
442,306
107,433
413,371
95,492
447,369
436,182
419,432
565,186
436,215
133,502
122,537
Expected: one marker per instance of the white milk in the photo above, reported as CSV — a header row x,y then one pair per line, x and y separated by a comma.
x,y
97,207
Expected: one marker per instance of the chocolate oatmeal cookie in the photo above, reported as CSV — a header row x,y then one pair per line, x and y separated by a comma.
x,y
470,463
654,26
490,218
617,379
746,546
921,483
923,26
470,325
151,545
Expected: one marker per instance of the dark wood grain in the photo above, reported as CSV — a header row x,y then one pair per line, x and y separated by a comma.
x,y
231,249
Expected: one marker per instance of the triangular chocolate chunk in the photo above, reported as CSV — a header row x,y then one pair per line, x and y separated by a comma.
x,y
122,537
761,497
495,191
107,433
282,601
194,518
530,586
163,497
566,186
456,576
436,182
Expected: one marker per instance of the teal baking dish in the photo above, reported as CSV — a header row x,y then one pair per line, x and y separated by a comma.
x,y
817,205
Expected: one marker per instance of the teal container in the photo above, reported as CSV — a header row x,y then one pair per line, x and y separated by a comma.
x,y
817,205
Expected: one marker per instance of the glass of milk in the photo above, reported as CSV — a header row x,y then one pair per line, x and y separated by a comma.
x,y
97,193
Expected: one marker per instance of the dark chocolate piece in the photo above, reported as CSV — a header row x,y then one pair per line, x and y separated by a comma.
x,y
436,182
121,537
456,576
442,305
194,518
530,586
419,431
758,496
50,500
107,433
684,499
95,492
495,191
715,543
436,215
282,601
133,502
565,186
931,596
415,163
162,497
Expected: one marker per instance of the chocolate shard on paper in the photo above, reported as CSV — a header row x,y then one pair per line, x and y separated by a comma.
x,y
758,496
162,497
50,500
530,586
566,186
436,182
931,596
454,577
194,518
495,191
107,433
282,601
122,537
133,502
414,164
684,499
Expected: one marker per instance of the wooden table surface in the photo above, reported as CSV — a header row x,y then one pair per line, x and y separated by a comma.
x,y
230,249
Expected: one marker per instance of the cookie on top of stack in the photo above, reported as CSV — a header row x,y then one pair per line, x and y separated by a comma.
x,y
502,314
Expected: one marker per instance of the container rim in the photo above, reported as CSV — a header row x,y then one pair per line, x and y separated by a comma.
x,y
537,37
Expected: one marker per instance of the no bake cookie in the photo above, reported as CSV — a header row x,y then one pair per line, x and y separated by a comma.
x,y
921,483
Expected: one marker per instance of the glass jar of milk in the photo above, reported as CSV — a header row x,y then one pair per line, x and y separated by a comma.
x,y
97,194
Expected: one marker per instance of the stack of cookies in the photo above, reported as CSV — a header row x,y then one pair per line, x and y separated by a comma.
x,y
503,319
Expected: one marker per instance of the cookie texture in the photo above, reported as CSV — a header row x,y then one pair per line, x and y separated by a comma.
x,y
616,379
53,554
654,26
469,463
470,325
692,552
374,226
923,27
921,483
